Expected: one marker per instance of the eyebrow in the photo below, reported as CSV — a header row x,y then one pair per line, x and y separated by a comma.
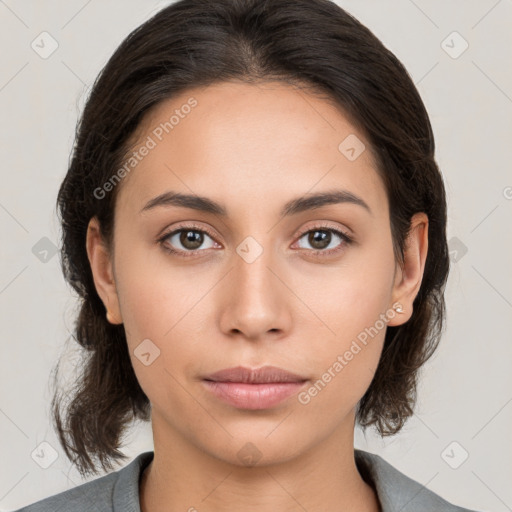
x,y
293,207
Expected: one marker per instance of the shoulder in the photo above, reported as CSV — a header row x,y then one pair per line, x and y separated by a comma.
x,y
117,491
397,491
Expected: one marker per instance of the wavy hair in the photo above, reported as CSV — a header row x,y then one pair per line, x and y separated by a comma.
x,y
190,43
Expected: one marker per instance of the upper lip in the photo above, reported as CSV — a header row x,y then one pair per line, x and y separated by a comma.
x,y
265,374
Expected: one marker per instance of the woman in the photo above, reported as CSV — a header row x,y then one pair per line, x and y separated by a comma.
x,y
255,221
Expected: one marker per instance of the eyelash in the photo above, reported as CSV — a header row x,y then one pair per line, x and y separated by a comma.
x,y
191,227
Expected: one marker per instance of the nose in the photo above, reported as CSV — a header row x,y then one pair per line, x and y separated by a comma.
x,y
255,301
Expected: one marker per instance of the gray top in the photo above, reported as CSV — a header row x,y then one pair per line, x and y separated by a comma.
x,y
119,491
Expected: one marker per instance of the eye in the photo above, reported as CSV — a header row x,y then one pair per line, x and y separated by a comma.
x,y
323,242
191,238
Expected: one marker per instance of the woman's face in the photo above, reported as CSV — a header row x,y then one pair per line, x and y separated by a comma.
x,y
252,286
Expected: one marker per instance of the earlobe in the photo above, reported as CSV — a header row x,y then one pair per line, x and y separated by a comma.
x,y
409,276
102,271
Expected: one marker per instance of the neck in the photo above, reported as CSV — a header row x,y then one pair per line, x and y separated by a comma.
x,y
182,477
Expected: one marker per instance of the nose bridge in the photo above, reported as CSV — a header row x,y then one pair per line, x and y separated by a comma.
x,y
256,303
252,273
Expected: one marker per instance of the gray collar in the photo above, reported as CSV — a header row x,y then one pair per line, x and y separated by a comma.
x,y
396,492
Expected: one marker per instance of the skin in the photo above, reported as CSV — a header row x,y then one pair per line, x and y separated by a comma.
x,y
252,148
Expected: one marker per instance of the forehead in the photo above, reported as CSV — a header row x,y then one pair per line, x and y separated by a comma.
x,y
242,142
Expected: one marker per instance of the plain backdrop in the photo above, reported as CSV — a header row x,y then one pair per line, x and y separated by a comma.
x,y
458,53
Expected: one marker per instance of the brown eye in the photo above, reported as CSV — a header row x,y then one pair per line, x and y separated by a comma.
x,y
325,240
319,239
186,241
191,240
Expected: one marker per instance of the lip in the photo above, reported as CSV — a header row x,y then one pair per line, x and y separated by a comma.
x,y
264,375
261,388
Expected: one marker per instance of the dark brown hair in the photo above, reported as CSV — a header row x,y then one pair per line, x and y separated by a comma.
x,y
199,42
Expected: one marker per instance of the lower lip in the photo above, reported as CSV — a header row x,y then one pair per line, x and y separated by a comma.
x,y
253,396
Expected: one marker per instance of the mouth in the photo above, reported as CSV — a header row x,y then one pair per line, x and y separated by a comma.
x,y
263,375
261,388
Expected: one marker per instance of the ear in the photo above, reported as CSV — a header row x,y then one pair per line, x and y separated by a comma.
x,y
408,277
102,271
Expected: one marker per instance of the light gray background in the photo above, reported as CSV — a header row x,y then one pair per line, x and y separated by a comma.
x,y
466,390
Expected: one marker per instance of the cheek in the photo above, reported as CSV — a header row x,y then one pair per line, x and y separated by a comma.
x,y
346,362
354,304
353,295
165,305
154,294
